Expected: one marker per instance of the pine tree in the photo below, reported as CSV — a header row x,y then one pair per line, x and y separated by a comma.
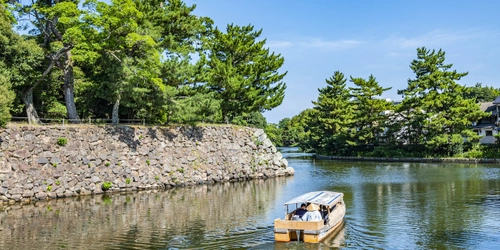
x,y
243,73
370,118
335,114
436,111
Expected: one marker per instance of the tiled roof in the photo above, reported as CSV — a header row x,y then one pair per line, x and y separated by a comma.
x,y
488,107
497,100
487,125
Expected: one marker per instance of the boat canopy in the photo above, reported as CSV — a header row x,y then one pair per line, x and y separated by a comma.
x,y
325,198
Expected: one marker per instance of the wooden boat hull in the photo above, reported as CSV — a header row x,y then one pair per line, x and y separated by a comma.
x,y
332,209
290,232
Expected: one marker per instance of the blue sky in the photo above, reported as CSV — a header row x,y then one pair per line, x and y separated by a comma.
x,y
360,38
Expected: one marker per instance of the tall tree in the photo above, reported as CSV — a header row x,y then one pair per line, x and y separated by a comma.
x,y
180,35
129,59
57,25
19,59
369,111
335,114
243,73
435,104
309,135
6,35
148,46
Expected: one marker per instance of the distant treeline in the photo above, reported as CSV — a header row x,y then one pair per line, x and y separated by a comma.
x,y
434,118
132,59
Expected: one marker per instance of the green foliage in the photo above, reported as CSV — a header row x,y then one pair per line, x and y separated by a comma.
x,y
435,113
58,182
396,151
369,111
6,98
199,106
58,30
133,59
334,115
274,134
106,199
257,141
127,181
107,164
62,141
106,185
49,188
481,151
480,93
157,177
148,162
497,137
288,131
254,119
242,72
18,58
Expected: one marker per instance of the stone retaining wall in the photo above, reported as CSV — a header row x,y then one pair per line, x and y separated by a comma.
x,y
60,161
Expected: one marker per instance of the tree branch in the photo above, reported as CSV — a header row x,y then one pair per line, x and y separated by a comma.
x,y
53,61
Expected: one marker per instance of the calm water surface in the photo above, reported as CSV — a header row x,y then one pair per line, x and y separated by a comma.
x,y
389,206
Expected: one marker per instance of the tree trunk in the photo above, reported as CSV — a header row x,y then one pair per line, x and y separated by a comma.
x,y
114,115
69,90
30,107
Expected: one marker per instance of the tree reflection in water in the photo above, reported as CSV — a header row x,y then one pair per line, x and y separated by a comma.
x,y
191,217
389,206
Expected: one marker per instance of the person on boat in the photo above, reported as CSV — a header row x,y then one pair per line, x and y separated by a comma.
x,y
312,214
325,211
301,211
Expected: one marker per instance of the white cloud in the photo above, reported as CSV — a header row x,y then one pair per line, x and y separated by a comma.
x,y
315,43
279,44
330,45
437,38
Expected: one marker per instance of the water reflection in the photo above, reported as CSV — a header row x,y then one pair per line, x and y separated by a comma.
x,y
398,205
389,206
228,214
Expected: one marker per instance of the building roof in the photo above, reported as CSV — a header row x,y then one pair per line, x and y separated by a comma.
x,y
485,126
497,100
326,198
488,107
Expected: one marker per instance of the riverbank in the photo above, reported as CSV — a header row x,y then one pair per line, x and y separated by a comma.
x,y
47,162
407,159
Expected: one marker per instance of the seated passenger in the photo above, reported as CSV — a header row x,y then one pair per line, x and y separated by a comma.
x,y
324,213
312,213
301,211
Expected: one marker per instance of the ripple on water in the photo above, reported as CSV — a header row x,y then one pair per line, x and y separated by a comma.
x,y
390,206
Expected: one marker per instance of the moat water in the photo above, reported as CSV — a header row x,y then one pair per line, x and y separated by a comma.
x,y
389,206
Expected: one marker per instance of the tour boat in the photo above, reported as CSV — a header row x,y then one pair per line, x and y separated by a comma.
x,y
292,228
